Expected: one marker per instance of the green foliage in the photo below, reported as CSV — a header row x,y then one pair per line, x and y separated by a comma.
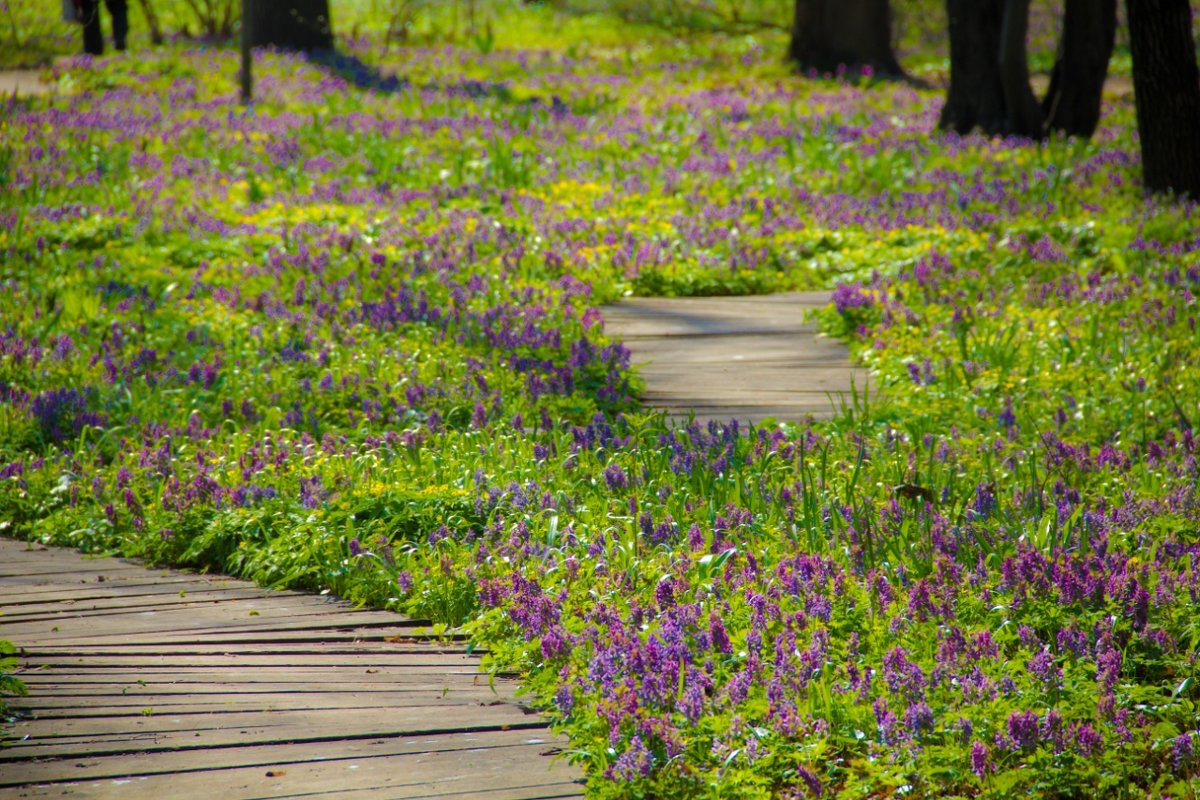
x,y
351,339
10,685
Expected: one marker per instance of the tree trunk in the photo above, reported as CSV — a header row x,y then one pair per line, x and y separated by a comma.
x,y
290,24
1072,103
976,96
831,35
1023,115
1166,89
156,35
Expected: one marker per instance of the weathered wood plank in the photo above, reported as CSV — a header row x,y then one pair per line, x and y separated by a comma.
x,y
302,720
237,616
172,625
412,695
34,569
25,594
393,655
268,729
249,786
267,608
249,674
173,683
54,583
407,637
217,641
213,763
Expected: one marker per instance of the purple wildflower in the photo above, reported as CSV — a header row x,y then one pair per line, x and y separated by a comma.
x,y
635,762
849,296
615,477
1182,751
811,781
980,761
1023,729
919,718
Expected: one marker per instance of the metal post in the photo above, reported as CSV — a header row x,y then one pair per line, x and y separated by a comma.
x,y
247,85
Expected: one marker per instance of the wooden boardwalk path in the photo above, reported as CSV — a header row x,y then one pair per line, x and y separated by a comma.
x,y
744,358
22,82
166,684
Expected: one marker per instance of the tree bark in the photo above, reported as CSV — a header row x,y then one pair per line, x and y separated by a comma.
x,y
156,36
1072,103
975,98
1166,90
290,24
1023,115
831,35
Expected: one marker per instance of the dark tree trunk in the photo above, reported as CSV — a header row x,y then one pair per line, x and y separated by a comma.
x,y
1072,103
290,24
156,36
850,34
1022,114
1166,89
975,98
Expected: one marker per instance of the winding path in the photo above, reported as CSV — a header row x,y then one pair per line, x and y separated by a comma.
x,y
160,683
744,358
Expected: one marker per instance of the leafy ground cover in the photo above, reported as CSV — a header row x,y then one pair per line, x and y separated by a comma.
x,y
10,685
350,338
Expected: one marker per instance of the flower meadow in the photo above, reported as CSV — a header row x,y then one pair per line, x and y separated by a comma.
x,y
352,337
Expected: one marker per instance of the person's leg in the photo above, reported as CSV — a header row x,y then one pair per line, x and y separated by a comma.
x,y
93,35
119,11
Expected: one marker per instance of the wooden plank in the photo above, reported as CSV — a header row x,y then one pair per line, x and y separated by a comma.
x,y
419,722
230,619
395,655
422,693
204,760
273,608
312,680
746,413
422,673
87,568
243,787
167,627
248,785
18,594
29,586
215,642
407,638
249,671
57,729
124,595
773,349
264,727
40,590
410,695
733,384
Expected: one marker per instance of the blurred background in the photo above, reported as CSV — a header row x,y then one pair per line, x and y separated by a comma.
x,y
32,32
